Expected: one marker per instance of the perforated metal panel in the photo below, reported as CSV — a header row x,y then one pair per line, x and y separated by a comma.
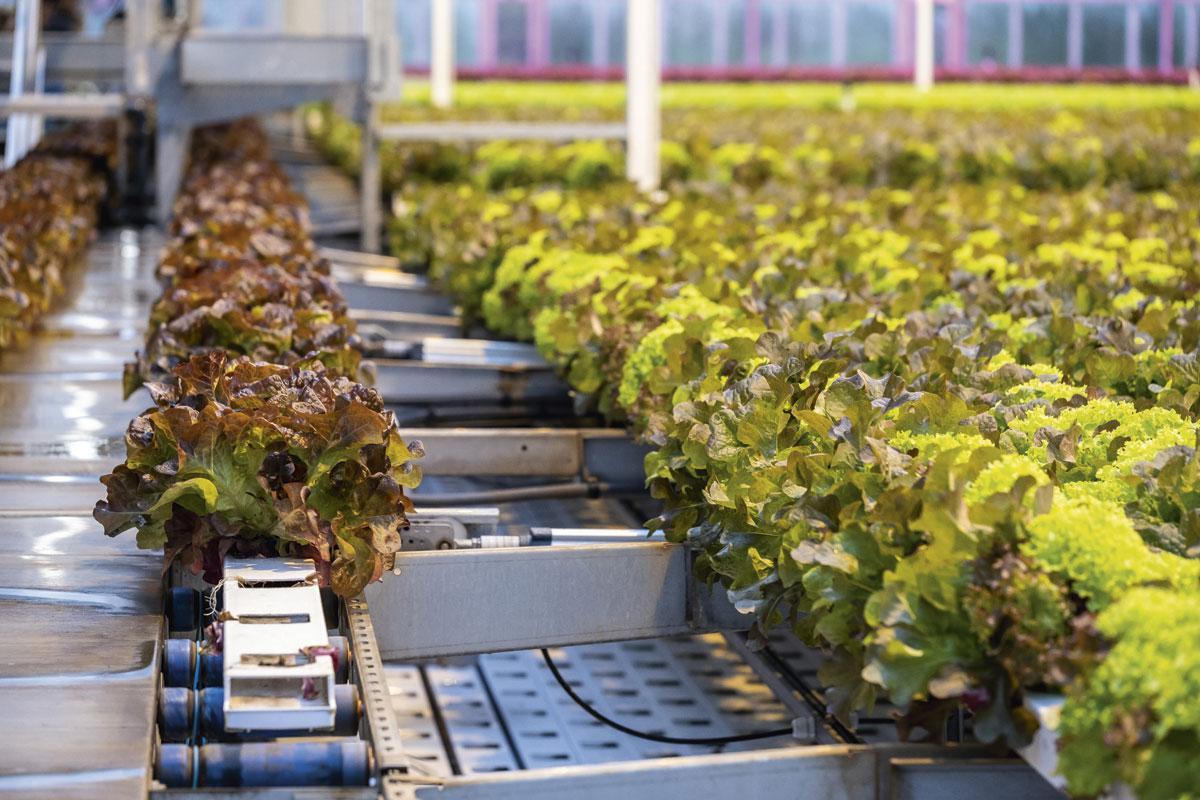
x,y
687,688
505,711
469,718
419,734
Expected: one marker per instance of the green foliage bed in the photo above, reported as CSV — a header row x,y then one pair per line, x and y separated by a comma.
x,y
923,388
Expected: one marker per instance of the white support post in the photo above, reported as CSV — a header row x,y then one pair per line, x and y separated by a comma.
x,y
923,51
1075,34
643,78
720,32
36,122
1133,34
18,136
1016,35
15,124
1190,35
441,54
838,34
370,183
141,27
779,35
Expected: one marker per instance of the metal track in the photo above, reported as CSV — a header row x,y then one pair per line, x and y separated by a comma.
x,y
378,713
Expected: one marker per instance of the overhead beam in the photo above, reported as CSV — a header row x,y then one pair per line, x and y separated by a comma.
x,y
272,60
456,131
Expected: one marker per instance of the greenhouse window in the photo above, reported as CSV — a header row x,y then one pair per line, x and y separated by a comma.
x,y
1104,35
571,26
869,33
987,34
1045,34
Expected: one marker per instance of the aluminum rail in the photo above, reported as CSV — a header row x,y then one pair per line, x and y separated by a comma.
x,y
373,289
74,56
65,106
507,131
357,258
378,328
402,382
458,602
606,454
831,772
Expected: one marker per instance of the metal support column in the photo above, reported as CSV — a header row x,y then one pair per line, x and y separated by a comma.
x,y
1133,38
923,51
171,149
140,27
1189,36
643,76
371,182
1016,35
1166,36
24,65
441,56
837,34
1075,34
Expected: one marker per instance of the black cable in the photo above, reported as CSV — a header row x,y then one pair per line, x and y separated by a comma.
x,y
653,737
838,729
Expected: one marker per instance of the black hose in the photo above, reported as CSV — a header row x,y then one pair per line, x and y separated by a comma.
x,y
813,699
654,737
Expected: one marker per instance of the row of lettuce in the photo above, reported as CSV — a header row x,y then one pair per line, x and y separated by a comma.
x,y
261,440
1039,150
50,205
947,435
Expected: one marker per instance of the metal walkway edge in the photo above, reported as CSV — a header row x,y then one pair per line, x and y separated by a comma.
x,y
80,614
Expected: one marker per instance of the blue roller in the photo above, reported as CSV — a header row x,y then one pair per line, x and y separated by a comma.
x,y
183,608
179,659
210,669
177,707
173,766
340,763
175,713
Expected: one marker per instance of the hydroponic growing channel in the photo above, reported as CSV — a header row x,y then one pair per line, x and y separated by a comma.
x,y
840,444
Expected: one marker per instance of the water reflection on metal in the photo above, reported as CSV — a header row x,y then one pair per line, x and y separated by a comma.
x,y
80,613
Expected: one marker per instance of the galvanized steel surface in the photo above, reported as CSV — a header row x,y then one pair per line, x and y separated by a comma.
x,y
80,614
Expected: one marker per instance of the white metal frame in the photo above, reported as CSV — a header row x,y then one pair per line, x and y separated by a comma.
x,y
275,615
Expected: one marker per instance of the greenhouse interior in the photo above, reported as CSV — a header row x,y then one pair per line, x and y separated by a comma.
x,y
585,399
